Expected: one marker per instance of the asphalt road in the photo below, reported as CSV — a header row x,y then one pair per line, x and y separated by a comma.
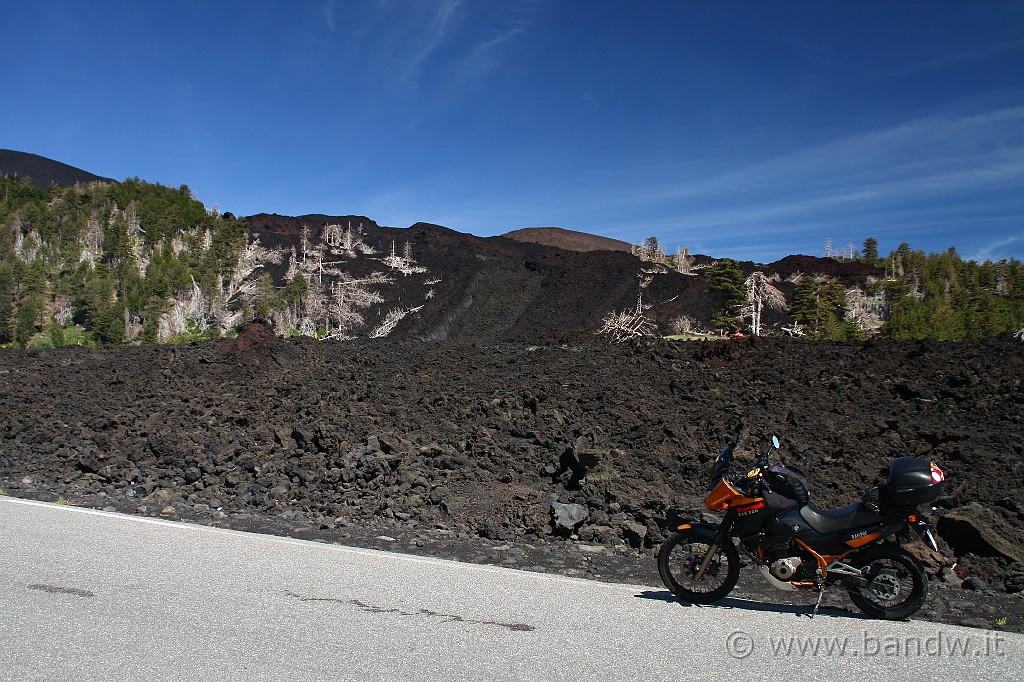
x,y
95,595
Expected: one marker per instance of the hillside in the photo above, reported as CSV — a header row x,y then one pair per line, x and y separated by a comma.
x,y
455,286
460,287
132,262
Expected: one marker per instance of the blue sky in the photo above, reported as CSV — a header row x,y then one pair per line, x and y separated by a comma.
x,y
738,129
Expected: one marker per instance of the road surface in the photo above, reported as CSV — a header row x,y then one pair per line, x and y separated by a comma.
x,y
88,595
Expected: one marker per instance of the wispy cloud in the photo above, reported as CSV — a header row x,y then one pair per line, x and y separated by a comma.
x,y
430,44
812,53
991,250
329,15
430,38
936,153
932,175
487,55
827,57
963,56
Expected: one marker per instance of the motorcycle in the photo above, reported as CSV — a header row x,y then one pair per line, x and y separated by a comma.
x,y
796,546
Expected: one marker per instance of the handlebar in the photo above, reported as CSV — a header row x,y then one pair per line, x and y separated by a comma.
x,y
747,482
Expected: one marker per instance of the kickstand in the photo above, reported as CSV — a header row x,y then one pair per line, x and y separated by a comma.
x,y
821,596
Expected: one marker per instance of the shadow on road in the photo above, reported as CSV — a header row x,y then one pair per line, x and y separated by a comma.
x,y
799,610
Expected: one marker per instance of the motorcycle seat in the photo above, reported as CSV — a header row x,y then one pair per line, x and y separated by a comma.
x,y
848,517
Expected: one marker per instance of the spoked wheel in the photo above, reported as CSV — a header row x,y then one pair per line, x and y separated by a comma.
x,y
897,584
680,559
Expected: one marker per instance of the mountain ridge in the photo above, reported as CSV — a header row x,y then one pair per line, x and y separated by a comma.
x,y
44,172
162,267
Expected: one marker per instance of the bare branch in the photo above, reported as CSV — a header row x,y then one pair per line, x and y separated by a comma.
x,y
391,321
625,325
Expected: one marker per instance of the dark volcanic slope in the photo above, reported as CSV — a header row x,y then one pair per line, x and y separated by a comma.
x,y
498,289
569,240
481,439
503,290
43,171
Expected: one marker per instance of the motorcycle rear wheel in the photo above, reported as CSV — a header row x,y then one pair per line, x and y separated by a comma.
x,y
897,583
680,558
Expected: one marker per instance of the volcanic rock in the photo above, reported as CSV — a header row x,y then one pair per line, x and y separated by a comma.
x,y
568,517
444,443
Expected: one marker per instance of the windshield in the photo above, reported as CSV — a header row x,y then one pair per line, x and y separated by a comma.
x,y
724,459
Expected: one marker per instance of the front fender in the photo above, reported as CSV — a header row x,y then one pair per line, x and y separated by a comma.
x,y
706,531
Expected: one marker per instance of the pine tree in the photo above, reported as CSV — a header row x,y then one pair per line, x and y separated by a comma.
x,y
6,303
805,304
727,282
56,332
32,300
870,250
820,305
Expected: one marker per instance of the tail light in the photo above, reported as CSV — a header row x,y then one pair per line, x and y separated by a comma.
x,y
937,475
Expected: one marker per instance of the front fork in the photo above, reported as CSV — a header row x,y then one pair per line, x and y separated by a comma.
x,y
721,537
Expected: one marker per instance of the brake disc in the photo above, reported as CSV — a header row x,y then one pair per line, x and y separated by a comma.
x,y
885,585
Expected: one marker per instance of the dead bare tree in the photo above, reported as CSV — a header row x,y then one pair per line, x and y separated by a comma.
x,y
795,330
403,263
1001,286
332,235
251,258
339,313
92,242
137,240
762,293
26,245
683,261
315,308
629,324
343,315
684,324
189,310
869,312
346,242
391,321
649,251
61,310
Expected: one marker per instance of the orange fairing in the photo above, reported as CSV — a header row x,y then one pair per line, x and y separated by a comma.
x,y
861,541
723,496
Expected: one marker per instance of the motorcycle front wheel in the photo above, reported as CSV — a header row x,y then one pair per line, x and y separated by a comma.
x,y
680,558
896,583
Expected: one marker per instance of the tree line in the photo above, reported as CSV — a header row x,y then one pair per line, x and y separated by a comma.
x,y
921,295
134,262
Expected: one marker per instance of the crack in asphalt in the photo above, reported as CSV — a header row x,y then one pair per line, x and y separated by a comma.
x,y
57,589
426,613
